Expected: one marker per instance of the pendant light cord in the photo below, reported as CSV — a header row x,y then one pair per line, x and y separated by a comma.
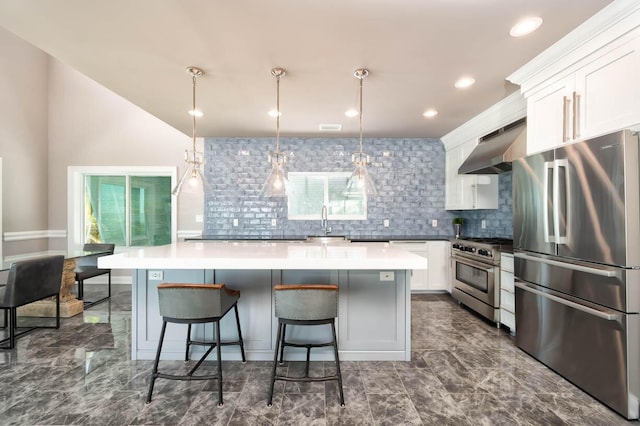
x,y
278,113
193,110
361,115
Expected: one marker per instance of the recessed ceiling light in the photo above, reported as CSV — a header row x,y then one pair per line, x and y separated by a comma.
x,y
274,113
464,82
525,26
430,113
196,112
351,113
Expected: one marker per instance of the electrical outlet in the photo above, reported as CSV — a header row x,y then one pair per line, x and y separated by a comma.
x,y
434,223
273,222
483,224
199,218
235,222
385,223
387,276
156,275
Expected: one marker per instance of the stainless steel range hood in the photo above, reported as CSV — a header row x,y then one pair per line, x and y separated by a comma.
x,y
497,150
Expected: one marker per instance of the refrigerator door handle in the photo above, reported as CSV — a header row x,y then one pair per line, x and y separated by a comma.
x,y
548,195
595,271
560,194
595,312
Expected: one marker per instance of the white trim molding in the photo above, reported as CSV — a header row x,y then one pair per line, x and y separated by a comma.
x,y
35,235
504,112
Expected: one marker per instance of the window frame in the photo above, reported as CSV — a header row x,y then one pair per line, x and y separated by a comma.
x,y
75,195
317,216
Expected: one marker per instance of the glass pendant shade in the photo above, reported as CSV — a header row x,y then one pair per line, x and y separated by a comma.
x,y
360,181
276,184
193,180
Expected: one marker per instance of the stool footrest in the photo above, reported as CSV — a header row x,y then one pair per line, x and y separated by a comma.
x,y
307,345
306,378
185,377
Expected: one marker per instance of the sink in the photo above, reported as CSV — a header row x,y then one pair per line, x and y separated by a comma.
x,y
327,239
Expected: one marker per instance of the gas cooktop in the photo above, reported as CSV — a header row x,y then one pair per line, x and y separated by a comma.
x,y
490,241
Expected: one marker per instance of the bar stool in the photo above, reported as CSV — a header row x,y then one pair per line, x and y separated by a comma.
x,y
196,304
302,305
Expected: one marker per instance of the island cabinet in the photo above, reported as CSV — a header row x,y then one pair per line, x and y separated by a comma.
x,y
507,293
372,323
437,261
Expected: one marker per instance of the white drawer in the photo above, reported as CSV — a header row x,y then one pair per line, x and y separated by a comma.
x,y
506,262
508,319
506,281
507,301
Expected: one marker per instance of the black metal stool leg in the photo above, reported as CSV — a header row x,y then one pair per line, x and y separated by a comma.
x,y
13,323
219,351
154,373
338,372
186,352
284,333
244,359
275,362
80,289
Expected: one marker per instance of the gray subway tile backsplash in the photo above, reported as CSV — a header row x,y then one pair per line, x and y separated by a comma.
x,y
408,173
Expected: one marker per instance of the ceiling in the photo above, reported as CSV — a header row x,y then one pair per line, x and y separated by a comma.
x,y
414,50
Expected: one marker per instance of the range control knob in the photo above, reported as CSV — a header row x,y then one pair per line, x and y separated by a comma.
x,y
470,249
484,252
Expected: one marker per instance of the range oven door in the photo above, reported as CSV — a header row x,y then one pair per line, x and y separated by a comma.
x,y
476,279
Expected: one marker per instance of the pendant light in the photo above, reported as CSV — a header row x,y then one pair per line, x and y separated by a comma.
x,y
360,181
276,184
194,160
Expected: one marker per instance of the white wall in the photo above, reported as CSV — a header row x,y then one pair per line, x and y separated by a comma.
x,y
23,140
52,117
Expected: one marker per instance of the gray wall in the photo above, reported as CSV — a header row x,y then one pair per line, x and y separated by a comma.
x,y
409,176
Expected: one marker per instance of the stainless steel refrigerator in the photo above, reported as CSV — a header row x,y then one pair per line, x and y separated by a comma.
x,y
576,238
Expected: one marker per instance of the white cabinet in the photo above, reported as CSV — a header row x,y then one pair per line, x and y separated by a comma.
x,y
436,254
507,293
600,94
468,192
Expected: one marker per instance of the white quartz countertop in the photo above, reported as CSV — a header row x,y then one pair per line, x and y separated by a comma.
x,y
265,255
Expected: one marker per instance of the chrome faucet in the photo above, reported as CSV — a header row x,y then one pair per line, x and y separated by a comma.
x,y
325,221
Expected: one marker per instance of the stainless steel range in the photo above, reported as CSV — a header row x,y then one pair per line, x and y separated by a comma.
x,y
475,267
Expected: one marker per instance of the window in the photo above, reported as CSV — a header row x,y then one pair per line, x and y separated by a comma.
x,y
126,207
311,191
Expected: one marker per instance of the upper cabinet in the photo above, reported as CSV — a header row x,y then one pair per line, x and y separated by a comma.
x,y
471,192
586,84
468,192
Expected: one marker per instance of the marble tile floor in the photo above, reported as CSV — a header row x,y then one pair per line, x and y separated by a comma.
x,y
463,372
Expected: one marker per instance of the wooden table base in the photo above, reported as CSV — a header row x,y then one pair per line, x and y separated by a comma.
x,y
69,305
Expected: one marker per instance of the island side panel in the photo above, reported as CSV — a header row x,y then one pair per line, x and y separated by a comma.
x,y
255,310
374,315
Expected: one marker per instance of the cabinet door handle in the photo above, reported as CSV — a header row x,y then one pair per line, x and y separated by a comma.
x,y
565,118
576,115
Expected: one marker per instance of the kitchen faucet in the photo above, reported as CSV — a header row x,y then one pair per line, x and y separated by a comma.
x,y
325,221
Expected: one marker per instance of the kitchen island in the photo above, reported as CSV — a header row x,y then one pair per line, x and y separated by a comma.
x,y
374,294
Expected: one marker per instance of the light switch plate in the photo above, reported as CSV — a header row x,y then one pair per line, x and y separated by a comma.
x,y
387,276
385,223
274,222
434,223
235,222
483,224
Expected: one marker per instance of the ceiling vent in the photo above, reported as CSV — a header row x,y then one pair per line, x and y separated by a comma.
x,y
330,127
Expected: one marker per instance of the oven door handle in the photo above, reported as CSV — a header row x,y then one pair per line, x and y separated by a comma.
x,y
579,268
574,305
484,266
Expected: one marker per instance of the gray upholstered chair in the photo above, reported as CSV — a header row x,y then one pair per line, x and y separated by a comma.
x,y
302,305
196,304
30,281
87,267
